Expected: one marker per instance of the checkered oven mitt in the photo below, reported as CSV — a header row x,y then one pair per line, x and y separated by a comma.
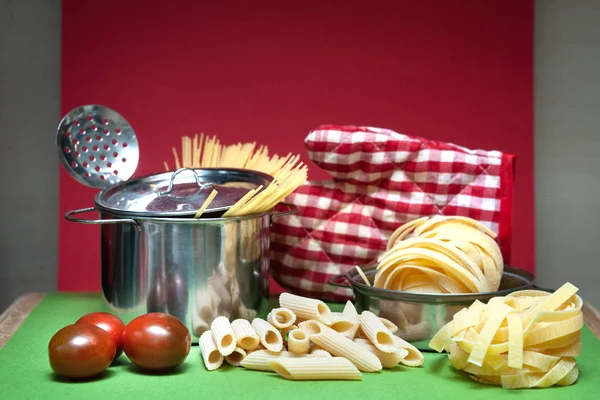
x,y
380,180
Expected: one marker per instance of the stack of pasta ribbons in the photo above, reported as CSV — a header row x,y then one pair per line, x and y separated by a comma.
x,y
304,340
441,254
526,339
203,151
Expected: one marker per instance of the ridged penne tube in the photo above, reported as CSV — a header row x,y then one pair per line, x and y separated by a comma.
x,y
306,308
236,357
267,334
340,346
344,324
315,368
223,335
349,310
414,358
209,351
389,324
376,332
281,317
258,360
388,360
245,335
298,342
319,352
285,331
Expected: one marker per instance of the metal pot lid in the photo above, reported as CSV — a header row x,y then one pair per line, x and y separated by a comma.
x,y
180,193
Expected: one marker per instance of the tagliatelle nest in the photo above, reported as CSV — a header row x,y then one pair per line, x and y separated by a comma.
x,y
529,338
441,254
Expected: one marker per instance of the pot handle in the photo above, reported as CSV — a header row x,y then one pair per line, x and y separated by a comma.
x,y
68,217
333,281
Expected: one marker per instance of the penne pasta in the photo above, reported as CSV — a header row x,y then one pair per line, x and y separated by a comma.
x,y
376,332
316,351
350,310
298,342
340,346
209,351
245,335
306,308
236,357
343,324
388,360
315,368
389,324
285,331
223,335
258,360
267,334
281,318
414,357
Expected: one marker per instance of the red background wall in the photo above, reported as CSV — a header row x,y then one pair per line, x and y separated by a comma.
x,y
269,71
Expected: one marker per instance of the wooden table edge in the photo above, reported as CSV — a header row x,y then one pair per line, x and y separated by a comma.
x,y
19,310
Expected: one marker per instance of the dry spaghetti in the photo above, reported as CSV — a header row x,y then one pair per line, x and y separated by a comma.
x,y
288,172
203,151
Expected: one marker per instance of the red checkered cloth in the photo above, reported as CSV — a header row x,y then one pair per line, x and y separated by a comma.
x,y
380,180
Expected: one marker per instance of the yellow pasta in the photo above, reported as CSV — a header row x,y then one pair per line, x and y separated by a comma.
x,y
287,179
208,152
388,360
340,346
286,330
245,335
306,308
298,342
211,356
206,203
526,339
268,335
223,335
414,358
319,352
389,324
281,318
376,332
315,368
350,310
441,254
343,324
258,360
236,357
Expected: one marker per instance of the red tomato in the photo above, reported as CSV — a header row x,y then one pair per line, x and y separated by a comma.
x,y
110,323
156,341
81,351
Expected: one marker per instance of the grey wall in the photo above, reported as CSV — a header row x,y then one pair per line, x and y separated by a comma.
x,y
29,112
567,80
567,144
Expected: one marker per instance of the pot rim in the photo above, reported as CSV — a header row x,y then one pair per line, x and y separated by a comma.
x,y
100,196
357,285
125,218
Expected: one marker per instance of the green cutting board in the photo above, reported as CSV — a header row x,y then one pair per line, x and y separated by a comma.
x,y
26,374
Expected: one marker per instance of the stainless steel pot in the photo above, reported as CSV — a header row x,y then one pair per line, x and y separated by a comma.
x,y
194,269
419,316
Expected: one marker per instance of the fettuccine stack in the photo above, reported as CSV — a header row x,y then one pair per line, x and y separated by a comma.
x,y
526,339
441,254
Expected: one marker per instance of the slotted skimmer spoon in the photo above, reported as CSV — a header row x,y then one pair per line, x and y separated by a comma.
x,y
97,146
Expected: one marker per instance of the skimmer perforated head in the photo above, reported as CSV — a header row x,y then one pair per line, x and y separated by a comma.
x,y
97,146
